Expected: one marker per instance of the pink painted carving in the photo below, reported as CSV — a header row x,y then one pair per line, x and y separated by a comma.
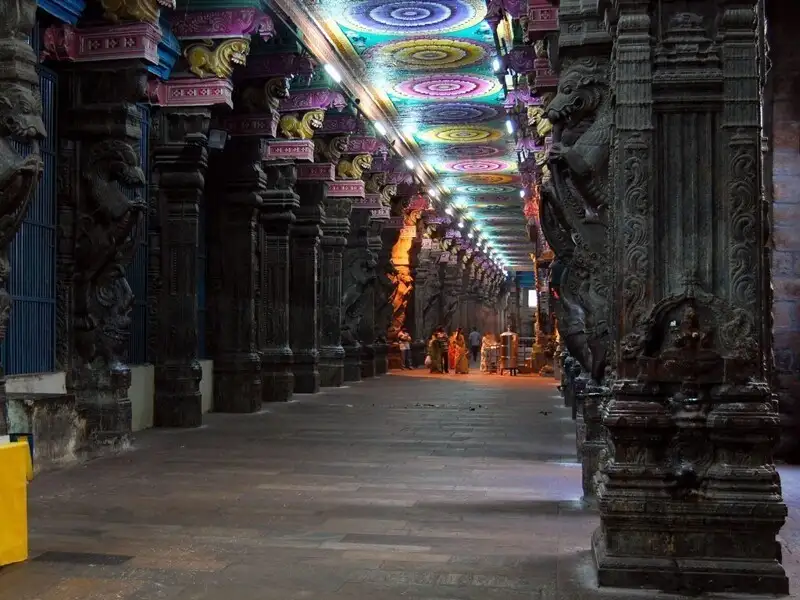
x,y
260,66
408,232
118,42
362,145
369,201
394,223
542,18
262,125
546,79
399,178
346,189
316,172
521,59
224,23
342,124
419,202
190,91
302,100
289,149
381,214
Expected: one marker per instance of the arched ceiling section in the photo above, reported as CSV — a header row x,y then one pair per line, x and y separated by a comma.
x,y
431,66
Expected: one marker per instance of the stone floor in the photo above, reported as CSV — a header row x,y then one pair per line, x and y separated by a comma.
x,y
407,486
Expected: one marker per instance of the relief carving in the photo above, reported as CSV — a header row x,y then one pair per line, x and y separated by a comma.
x,y
359,274
354,169
207,60
293,126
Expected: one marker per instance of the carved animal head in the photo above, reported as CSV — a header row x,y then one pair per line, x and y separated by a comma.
x,y
362,162
388,192
313,120
374,182
234,51
275,90
116,160
21,113
581,89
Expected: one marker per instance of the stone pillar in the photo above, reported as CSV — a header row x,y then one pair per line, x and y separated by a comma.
x,y
451,285
105,121
387,354
305,263
233,211
691,498
334,239
366,328
358,275
20,120
279,203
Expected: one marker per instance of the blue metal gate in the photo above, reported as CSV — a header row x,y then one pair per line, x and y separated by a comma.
x,y
29,346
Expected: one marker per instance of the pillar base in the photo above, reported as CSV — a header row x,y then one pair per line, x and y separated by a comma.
x,y
306,373
178,410
396,357
331,366
352,363
693,574
237,384
381,359
277,379
367,361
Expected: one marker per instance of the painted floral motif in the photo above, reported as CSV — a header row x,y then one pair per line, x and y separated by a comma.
x,y
422,54
446,87
478,166
461,134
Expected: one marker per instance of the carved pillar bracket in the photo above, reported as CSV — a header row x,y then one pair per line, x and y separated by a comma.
x,y
20,121
277,216
180,159
304,285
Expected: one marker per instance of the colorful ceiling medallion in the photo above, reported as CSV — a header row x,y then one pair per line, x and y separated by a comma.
x,y
463,152
461,134
447,113
485,189
447,87
413,17
488,178
420,54
478,166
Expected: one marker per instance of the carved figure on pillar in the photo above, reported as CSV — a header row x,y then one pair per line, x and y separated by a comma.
x,y
20,120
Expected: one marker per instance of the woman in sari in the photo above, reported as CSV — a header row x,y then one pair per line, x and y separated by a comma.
x,y
451,350
461,358
435,354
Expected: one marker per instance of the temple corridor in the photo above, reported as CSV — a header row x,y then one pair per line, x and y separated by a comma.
x,y
403,486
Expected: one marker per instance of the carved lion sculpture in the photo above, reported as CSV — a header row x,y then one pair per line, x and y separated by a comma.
x,y
330,150
207,61
584,95
275,90
106,241
294,127
354,169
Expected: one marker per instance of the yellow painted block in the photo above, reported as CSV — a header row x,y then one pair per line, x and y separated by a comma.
x,y
15,472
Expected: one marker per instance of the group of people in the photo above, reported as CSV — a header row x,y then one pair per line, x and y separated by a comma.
x,y
452,352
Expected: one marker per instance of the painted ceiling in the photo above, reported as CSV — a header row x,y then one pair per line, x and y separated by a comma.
x,y
432,62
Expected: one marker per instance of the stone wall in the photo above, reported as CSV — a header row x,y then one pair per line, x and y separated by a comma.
x,y
782,124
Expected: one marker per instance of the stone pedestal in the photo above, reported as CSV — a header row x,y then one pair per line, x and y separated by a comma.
x,y
305,250
279,203
334,239
381,358
232,274
179,168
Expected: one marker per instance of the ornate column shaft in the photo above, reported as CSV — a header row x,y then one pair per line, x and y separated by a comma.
x,y
334,240
358,274
233,269
21,120
179,164
279,203
109,211
691,497
305,251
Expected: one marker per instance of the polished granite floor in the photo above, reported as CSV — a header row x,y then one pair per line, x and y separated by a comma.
x,y
406,486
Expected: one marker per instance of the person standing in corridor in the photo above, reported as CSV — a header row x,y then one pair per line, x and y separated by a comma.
x,y
475,344
404,341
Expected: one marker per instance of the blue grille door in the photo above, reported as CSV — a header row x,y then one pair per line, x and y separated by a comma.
x,y
30,343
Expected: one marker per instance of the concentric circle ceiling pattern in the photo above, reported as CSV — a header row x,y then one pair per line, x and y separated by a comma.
x,y
430,62
413,17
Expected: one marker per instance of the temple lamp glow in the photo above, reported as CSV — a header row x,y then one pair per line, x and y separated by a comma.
x,y
433,193
333,72
410,129
509,126
496,65
522,193
449,210
409,163
461,224
379,127
470,235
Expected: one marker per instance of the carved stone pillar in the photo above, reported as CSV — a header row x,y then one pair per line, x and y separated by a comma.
x,y
334,239
358,275
105,122
451,286
179,167
233,212
428,292
305,250
279,202
366,327
691,497
21,120
386,354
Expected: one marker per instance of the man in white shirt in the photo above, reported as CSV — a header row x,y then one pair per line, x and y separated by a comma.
x,y
404,339
475,344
